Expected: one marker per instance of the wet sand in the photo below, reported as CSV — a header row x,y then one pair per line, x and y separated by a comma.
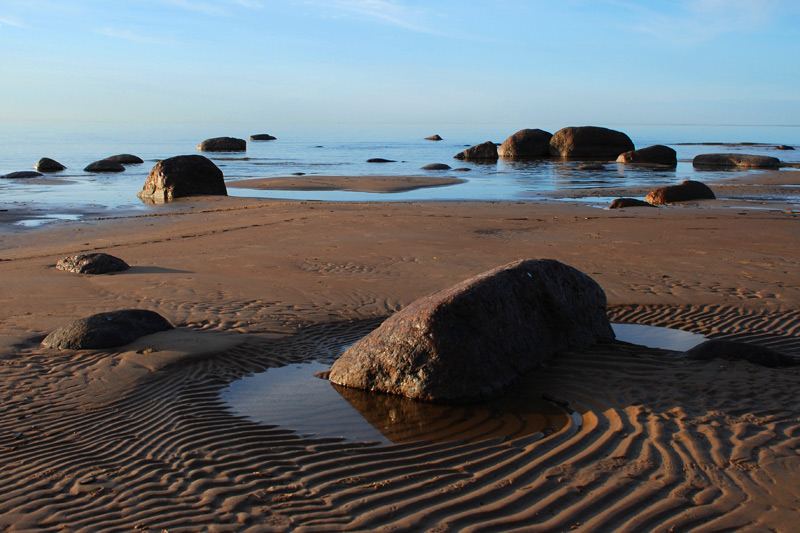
x,y
138,437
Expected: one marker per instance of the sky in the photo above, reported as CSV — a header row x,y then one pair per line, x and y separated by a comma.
x,y
401,61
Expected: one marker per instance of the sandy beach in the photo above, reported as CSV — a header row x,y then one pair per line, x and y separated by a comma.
x,y
137,438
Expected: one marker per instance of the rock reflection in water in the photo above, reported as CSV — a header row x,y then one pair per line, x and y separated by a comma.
x,y
293,398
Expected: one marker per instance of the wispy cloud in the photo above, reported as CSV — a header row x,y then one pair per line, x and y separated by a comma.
x,y
694,21
11,21
390,12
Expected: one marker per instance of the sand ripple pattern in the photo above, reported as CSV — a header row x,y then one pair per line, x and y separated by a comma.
x,y
661,446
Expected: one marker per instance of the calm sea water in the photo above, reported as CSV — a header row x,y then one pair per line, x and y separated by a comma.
x,y
337,150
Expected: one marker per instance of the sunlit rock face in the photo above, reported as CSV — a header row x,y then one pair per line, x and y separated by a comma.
x,y
469,342
589,141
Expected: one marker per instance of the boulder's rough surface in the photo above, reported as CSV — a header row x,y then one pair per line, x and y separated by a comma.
x,y
183,175
22,174
589,141
46,164
223,144
724,349
106,330
486,151
104,165
96,263
526,143
436,166
683,192
619,203
652,155
125,159
735,161
433,138
262,137
469,342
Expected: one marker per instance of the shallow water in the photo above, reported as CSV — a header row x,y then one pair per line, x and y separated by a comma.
x,y
340,150
292,397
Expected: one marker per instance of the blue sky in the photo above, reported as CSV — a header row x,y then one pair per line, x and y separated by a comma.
x,y
394,61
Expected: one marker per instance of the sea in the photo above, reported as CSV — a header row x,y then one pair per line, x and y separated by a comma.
x,y
342,150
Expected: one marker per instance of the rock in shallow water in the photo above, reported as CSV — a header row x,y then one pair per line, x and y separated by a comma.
x,y
183,175
106,330
683,192
467,343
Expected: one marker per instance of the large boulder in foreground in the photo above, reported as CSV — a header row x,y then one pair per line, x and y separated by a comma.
x,y
46,164
467,343
107,330
735,161
652,155
589,141
183,175
223,144
94,263
486,151
683,192
526,143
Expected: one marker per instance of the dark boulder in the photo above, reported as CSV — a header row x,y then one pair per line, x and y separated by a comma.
x,y
592,166
96,263
262,137
223,144
380,160
652,155
22,174
683,192
485,151
433,138
526,143
724,349
125,159
470,341
46,164
735,161
619,203
436,166
106,330
104,165
784,147
589,141
183,175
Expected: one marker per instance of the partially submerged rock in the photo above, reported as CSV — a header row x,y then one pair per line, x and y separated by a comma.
x,y
436,166
223,144
652,155
380,160
46,164
735,161
106,330
433,138
683,192
724,349
183,175
262,137
105,165
592,166
21,174
125,159
95,263
619,203
467,343
589,141
486,151
526,143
